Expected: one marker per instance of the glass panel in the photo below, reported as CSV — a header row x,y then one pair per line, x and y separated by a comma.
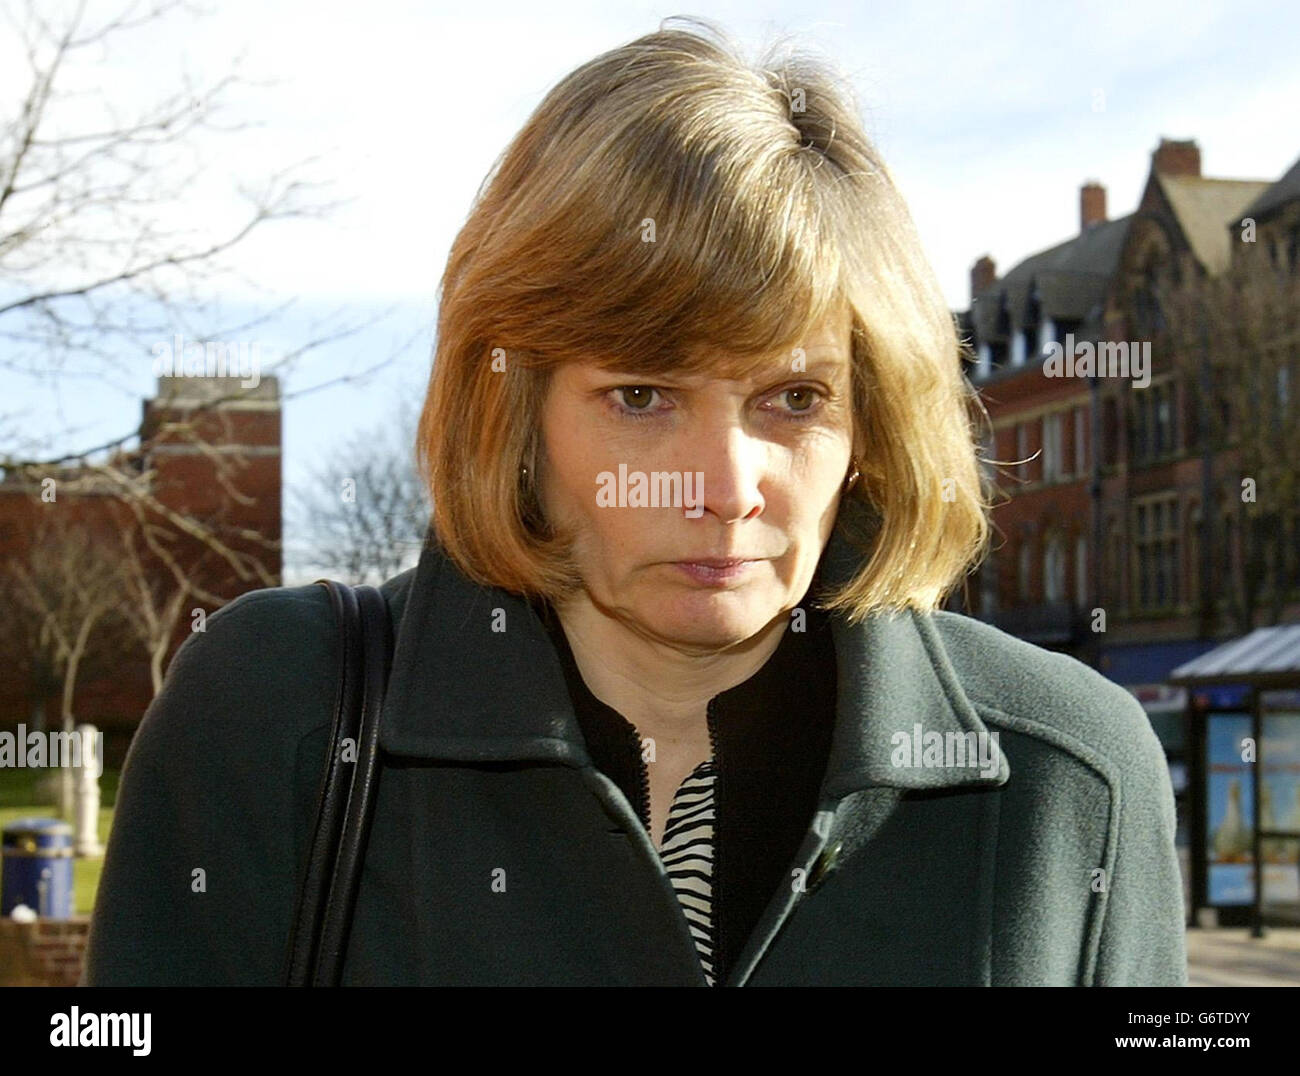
x,y
1229,815
1279,808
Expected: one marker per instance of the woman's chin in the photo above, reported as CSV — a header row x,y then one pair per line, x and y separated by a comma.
x,y
714,620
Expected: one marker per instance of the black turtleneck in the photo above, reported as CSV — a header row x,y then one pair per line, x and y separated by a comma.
x,y
772,741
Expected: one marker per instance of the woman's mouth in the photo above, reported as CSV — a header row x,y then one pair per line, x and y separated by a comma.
x,y
716,571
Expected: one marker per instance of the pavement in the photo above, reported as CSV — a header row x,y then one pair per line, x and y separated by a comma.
x,y
1228,956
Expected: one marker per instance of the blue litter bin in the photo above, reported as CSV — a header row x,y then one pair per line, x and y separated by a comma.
x,y
37,870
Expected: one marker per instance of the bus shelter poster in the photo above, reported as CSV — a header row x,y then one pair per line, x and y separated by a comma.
x,y
1279,807
1231,815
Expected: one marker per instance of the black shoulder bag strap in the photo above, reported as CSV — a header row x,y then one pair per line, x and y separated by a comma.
x,y
319,935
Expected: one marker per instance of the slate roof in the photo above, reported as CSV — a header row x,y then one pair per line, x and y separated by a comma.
x,y
1286,189
1072,278
1205,208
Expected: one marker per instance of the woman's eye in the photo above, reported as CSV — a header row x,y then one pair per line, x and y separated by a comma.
x,y
800,401
635,398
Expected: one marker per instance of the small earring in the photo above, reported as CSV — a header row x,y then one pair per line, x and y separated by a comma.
x,y
853,477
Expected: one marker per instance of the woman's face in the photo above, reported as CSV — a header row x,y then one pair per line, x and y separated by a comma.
x,y
757,470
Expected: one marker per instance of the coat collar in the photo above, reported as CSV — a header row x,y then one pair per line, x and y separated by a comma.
x,y
476,678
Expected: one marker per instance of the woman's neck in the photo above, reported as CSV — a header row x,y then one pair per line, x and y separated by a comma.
x,y
663,690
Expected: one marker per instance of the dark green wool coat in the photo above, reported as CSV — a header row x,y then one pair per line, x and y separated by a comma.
x,y
1058,868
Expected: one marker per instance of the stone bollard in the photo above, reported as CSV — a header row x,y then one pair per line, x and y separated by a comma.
x,y
86,813
67,791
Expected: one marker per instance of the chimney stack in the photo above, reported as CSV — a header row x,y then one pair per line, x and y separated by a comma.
x,y
1092,205
1173,158
983,273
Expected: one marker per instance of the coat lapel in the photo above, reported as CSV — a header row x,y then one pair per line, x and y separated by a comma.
x,y
475,677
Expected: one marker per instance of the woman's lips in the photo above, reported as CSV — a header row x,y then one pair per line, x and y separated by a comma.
x,y
715,571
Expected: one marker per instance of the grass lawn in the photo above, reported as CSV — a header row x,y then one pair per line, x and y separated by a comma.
x,y
18,800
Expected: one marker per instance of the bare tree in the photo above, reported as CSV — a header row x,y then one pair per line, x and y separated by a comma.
x,y
1234,339
68,594
158,580
365,511
100,255
87,254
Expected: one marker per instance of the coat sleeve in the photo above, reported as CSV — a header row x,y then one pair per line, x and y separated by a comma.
x,y
203,858
1143,936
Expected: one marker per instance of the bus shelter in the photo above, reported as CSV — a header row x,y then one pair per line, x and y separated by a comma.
x,y
1245,779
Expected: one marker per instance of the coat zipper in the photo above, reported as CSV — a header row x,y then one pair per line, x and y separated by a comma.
x,y
643,786
643,809
719,972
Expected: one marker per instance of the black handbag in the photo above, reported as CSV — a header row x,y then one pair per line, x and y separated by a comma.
x,y
318,937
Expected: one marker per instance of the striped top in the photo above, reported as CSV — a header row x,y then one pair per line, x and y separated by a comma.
x,y
687,854
774,770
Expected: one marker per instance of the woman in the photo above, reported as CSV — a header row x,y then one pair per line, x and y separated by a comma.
x,y
672,701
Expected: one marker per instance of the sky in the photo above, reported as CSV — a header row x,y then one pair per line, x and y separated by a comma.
x,y
990,115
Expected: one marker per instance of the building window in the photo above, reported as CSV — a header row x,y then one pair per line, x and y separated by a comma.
x,y
988,588
1194,555
1140,415
1115,569
1108,451
1081,570
1022,442
1051,447
1025,565
1153,422
1054,570
1080,441
1163,420
1046,334
1063,327
1157,534
1192,422
1148,317
1001,334
985,366
1029,331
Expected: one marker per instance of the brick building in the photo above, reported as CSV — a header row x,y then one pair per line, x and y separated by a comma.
x,y
1099,547
205,479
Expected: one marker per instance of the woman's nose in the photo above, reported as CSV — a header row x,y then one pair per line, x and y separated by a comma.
x,y
729,466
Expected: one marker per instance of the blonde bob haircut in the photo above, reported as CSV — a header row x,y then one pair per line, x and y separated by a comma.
x,y
669,208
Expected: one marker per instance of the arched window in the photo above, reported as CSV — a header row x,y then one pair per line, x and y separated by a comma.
x,y
1148,318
